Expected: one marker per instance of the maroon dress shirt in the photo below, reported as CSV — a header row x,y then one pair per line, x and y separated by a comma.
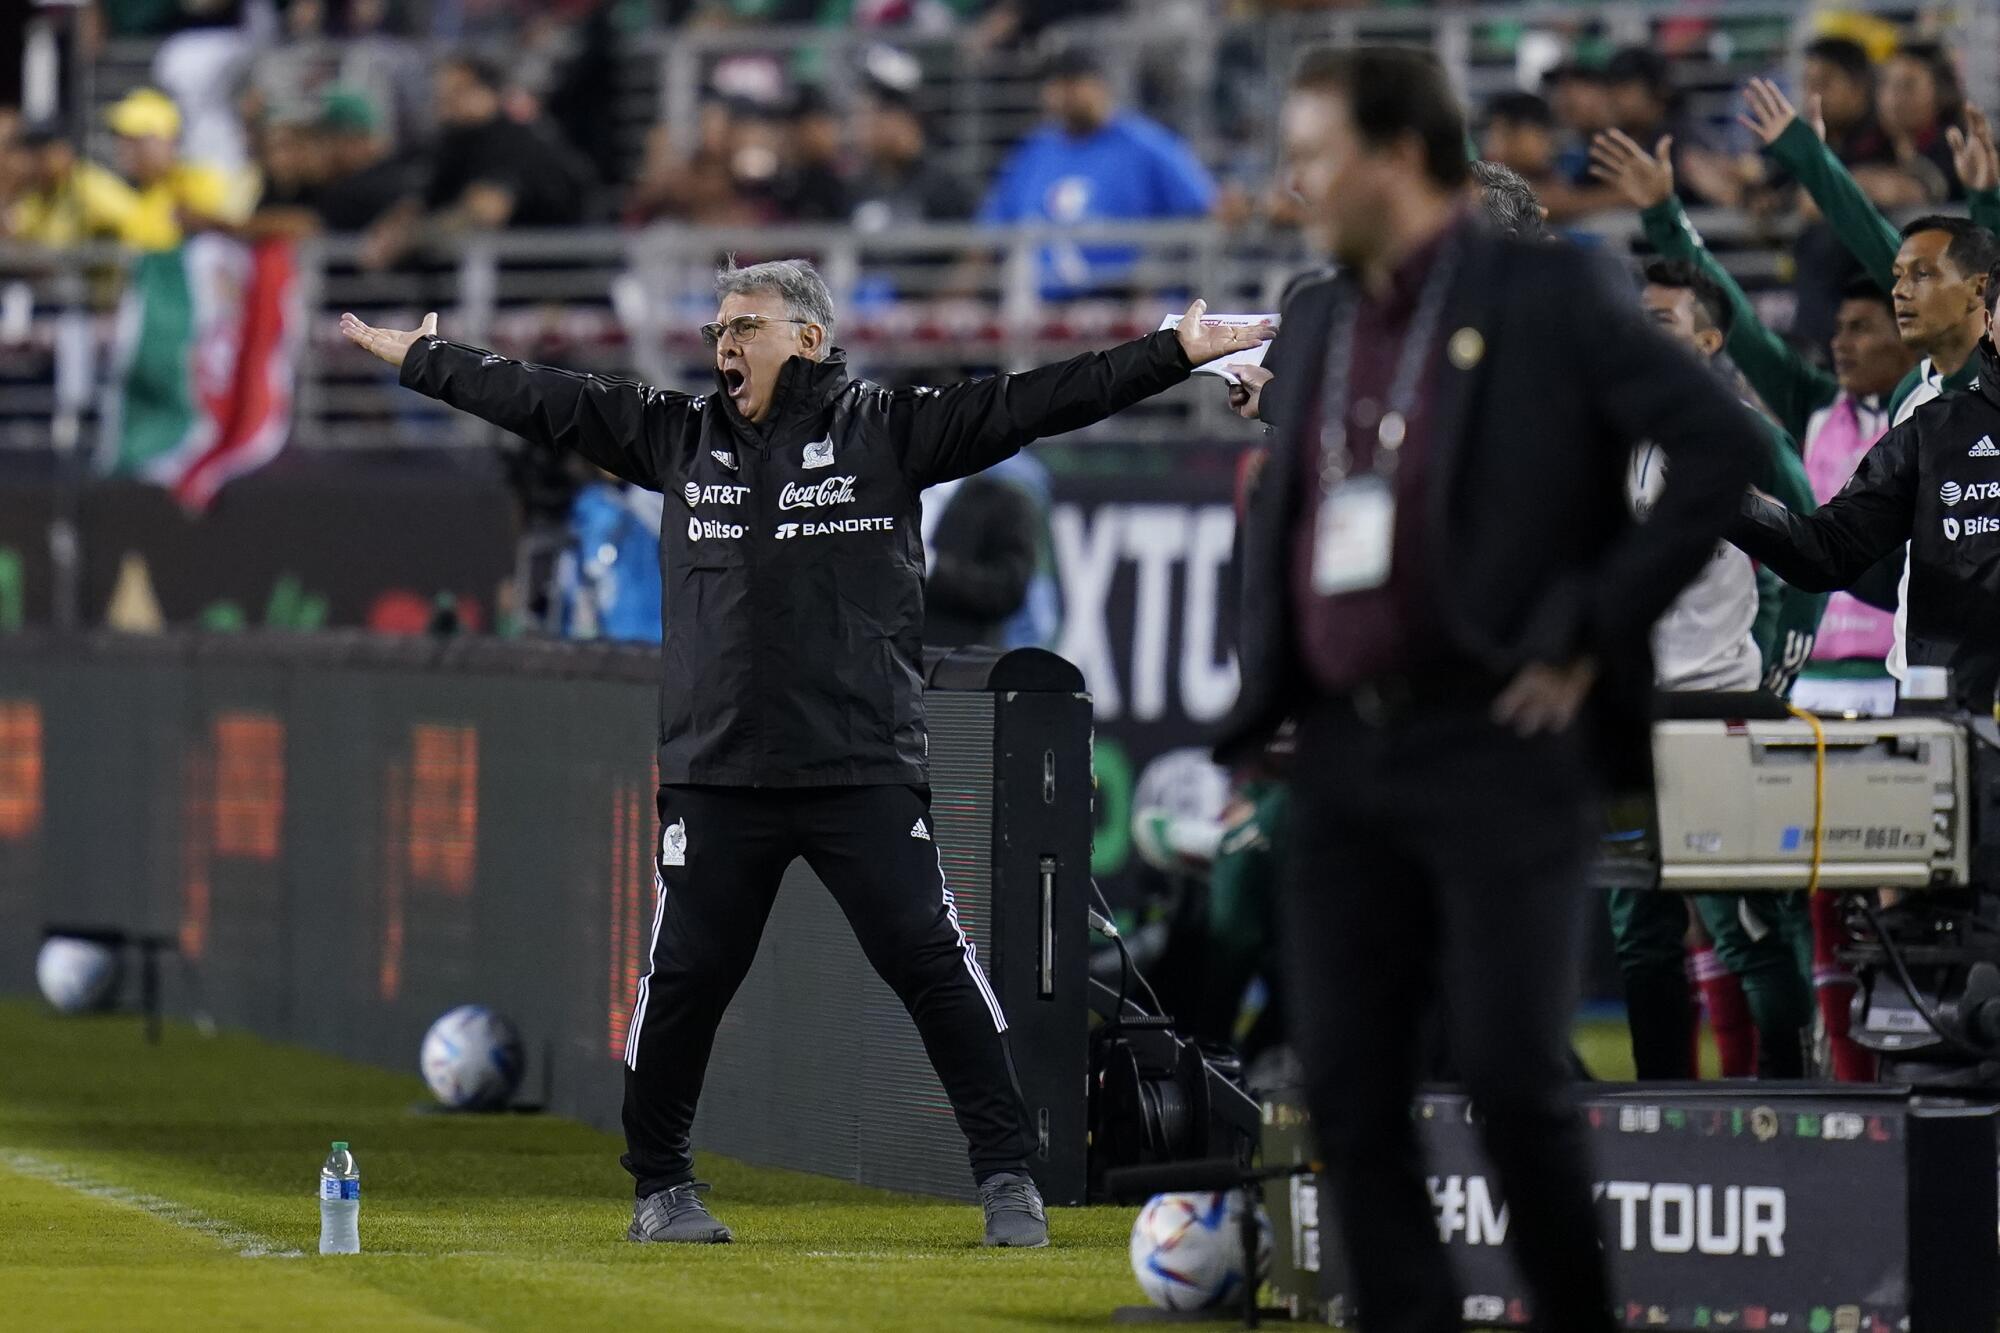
x,y
1352,638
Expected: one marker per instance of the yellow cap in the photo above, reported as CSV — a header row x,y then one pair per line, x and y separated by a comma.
x,y
145,114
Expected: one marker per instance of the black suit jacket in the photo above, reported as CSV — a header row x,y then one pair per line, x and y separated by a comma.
x,y
1555,376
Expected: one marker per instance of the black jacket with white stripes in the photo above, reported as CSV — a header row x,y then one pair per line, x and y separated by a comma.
x,y
1933,482
791,552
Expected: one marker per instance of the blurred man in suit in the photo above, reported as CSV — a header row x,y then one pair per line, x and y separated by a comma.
x,y
1446,589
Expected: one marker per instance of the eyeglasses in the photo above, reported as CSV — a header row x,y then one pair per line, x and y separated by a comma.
x,y
743,328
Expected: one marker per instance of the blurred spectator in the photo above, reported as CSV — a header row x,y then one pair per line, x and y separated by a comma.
x,y
487,171
1918,98
1840,79
700,188
171,196
990,559
286,76
1640,86
931,15
811,186
1646,107
1579,96
62,200
582,98
382,63
607,579
494,170
200,65
1095,163
1012,22
900,182
365,178
291,167
1521,136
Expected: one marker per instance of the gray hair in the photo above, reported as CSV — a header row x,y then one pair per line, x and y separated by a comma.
x,y
796,280
1507,201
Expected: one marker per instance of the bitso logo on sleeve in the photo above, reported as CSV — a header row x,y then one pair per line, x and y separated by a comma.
x,y
820,453
1951,529
674,844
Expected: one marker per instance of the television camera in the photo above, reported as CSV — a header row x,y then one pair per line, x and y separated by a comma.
x,y
1900,816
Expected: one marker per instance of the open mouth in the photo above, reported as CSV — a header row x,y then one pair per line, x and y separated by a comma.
x,y
735,381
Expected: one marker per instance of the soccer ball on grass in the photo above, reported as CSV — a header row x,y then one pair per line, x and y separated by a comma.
x,y
472,1059
1187,1250
76,975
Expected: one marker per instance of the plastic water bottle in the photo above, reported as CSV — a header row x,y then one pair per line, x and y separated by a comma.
x,y
340,1203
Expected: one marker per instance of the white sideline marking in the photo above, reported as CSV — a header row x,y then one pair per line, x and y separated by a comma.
x,y
247,1244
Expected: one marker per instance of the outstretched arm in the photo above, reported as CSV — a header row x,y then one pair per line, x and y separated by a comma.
x,y
1789,385
1871,238
622,426
1840,541
965,428
1977,162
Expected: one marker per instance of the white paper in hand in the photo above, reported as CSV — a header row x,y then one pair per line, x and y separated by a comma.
x,y
1224,367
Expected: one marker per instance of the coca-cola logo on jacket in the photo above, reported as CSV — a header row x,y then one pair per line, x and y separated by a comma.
x,y
817,495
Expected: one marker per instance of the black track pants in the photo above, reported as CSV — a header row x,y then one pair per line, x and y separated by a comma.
x,y
722,853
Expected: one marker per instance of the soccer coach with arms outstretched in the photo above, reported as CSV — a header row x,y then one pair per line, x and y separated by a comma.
x,y
791,698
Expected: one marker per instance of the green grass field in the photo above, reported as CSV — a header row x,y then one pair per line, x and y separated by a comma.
x,y
159,1187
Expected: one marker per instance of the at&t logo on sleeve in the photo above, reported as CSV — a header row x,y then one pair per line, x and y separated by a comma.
x,y
696,494
1951,492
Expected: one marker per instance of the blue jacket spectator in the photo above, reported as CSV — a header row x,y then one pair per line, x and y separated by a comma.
x,y
609,577
1094,164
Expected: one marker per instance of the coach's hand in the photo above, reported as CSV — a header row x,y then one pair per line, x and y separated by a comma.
x,y
1545,698
1205,342
388,344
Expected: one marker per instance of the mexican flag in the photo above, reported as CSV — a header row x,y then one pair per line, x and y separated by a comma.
x,y
208,336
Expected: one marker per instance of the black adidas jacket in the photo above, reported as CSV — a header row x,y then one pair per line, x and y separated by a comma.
x,y
791,552
1933,482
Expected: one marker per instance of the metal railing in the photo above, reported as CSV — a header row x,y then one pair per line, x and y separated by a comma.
x,y
916,304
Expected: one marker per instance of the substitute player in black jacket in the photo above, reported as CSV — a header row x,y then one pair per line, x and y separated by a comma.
x,y
1933,482
791,703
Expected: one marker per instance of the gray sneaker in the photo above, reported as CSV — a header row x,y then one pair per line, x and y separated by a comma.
x,y
1014,1216
677,1215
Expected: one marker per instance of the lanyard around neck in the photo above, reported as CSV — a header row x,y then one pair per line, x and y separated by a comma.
x,y
1392,427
